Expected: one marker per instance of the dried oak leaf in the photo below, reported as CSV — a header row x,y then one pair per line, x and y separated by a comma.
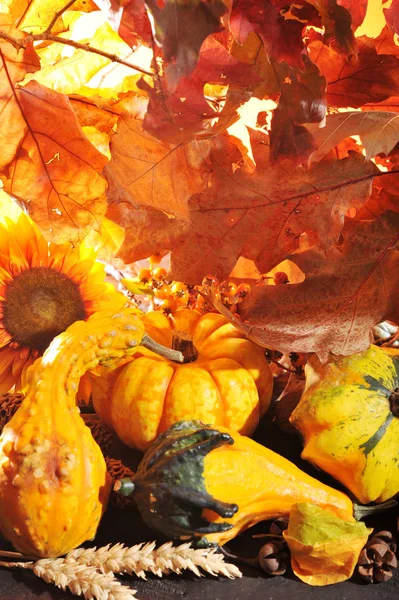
x,y
148,173
392,16
378,132
302,100
261,213
49,165
347,290
180,113
180,28
370,77
146,230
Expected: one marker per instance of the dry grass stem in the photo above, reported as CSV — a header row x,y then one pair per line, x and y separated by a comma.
x,y
160,561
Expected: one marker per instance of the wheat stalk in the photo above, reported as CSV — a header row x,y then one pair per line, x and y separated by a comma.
x,y
80,579
160,561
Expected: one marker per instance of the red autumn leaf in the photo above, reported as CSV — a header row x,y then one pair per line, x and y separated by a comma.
x,y
385,42
346,291
282,38
128,18
390,104
302,100
261,214
392,16
357,10
146,172
177,115
337,23
370,77
180,28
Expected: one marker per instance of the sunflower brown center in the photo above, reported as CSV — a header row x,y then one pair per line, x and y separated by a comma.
x,y
40,303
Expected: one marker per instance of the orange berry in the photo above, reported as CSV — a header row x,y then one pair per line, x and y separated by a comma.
x,y
243,289
178,288
159,274
145,275
168,305
183,299
162,292
228,289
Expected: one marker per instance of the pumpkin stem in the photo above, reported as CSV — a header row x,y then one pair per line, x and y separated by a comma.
x,y
172,354
394,402
182,341
360,512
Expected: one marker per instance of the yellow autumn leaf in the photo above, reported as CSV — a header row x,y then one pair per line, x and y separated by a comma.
x,y
77,71
324,548
34,16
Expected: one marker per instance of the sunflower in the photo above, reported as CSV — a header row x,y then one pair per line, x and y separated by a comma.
x,y
44,288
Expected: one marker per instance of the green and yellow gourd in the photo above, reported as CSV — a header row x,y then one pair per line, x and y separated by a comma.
x,y
201,481
225,380
348,416
54,484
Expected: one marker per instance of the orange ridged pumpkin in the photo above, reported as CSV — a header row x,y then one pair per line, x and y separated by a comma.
x,y
227,382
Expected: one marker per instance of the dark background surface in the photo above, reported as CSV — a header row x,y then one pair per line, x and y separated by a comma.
x,y
125,526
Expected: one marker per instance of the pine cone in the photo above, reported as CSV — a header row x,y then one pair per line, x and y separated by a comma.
x,y
100,432
278,526
118,470
383,537
377,559
273,558
9,404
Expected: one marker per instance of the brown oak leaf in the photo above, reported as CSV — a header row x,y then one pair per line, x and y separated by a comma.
x,y
147,172
347,290
146,230
261,214
370,77
378,131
